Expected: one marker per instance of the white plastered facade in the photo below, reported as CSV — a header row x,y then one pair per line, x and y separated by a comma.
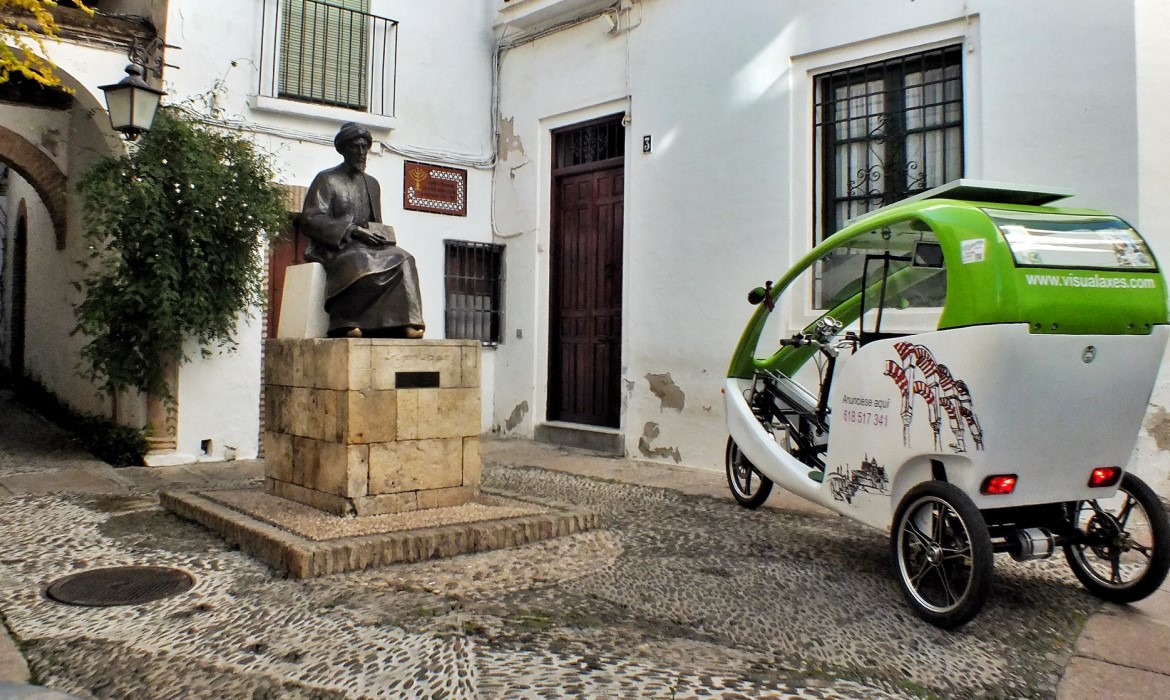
x,y
1055,94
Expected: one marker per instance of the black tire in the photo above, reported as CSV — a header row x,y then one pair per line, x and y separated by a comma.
x,y
942,554
1132,561
741,474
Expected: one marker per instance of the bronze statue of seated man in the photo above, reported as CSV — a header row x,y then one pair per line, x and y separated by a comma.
x,y
371,285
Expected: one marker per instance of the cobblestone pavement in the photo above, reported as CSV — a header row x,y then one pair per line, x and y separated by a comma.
x,y
675,596
30,444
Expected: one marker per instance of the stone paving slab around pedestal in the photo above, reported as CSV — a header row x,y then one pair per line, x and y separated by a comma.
x,y
306,542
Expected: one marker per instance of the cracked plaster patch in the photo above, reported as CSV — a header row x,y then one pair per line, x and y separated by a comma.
x,y
669,394
650,433
509,140
1158,426
517,416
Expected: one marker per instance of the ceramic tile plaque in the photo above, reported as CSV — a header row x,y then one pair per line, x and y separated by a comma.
x,y
434,189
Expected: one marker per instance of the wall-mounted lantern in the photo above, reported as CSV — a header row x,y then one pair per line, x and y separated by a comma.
x,y
132,103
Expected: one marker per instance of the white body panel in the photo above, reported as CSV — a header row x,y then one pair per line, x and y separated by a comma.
x,y
764,452
1005,401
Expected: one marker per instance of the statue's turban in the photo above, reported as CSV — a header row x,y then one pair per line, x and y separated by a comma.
x,y
350,131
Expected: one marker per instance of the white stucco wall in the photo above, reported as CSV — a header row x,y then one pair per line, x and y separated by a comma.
x,y
724,200
48,317
72,139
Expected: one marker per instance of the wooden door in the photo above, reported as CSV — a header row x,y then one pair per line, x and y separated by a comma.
x,y
19,294
586,304
288,249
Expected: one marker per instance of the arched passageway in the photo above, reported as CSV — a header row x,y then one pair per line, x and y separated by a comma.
x,y
42,173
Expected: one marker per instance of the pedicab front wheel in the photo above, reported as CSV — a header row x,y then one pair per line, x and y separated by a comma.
x,y
942,553
1125,554
749,487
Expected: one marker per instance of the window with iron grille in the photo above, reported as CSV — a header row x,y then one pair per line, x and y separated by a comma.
x,y
323,51
474,275
590,143
885,131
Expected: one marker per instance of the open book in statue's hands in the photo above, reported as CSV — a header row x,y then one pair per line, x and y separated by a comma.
x,y
383,229
374,234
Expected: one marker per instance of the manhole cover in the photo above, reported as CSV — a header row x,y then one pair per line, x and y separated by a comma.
x,y
120,585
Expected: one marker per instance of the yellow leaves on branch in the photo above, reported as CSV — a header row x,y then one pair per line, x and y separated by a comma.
x,y
24,26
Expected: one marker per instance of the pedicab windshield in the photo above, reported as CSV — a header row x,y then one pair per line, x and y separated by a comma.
x,y
1095,242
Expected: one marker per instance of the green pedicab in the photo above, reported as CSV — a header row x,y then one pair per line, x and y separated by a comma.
x,y
982,363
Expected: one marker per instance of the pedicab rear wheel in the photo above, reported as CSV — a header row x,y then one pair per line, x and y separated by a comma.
x,y
749,487
942,553
1127,552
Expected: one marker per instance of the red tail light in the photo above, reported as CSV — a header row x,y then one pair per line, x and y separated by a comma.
x,y
1104,476
998,485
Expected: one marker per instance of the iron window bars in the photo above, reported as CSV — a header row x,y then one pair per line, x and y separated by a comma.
x,y
474,282
885,131
591,143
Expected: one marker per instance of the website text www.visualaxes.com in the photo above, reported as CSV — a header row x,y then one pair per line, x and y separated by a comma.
x,y
1090,281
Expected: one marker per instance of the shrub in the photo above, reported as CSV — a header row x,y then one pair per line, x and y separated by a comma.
x,y
175,231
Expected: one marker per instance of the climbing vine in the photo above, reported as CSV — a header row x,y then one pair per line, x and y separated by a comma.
x,y
176,233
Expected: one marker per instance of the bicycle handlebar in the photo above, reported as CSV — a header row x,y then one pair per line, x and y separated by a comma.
x,y
821,335
802,340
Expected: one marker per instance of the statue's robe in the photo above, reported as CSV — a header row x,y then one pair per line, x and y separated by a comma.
x,y
374,288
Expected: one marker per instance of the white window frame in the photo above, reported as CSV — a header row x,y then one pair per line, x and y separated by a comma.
x,y
797,306
266,99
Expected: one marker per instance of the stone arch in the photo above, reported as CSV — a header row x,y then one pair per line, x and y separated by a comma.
x,y
42,173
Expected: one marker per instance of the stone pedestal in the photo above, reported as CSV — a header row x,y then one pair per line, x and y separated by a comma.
x,y
371,426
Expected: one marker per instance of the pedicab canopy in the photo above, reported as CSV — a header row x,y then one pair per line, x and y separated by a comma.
x,y
985,253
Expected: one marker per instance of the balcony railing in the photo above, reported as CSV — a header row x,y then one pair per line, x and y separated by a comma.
x,y
329,53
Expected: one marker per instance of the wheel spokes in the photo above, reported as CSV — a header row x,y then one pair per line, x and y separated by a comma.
x,y
1147,552
952,554
932,534
1126,509
1108,527
913,529
937,513
946,584
1098,510
742,471
926,566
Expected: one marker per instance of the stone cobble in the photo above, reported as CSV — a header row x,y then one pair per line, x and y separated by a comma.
x,y
675,596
